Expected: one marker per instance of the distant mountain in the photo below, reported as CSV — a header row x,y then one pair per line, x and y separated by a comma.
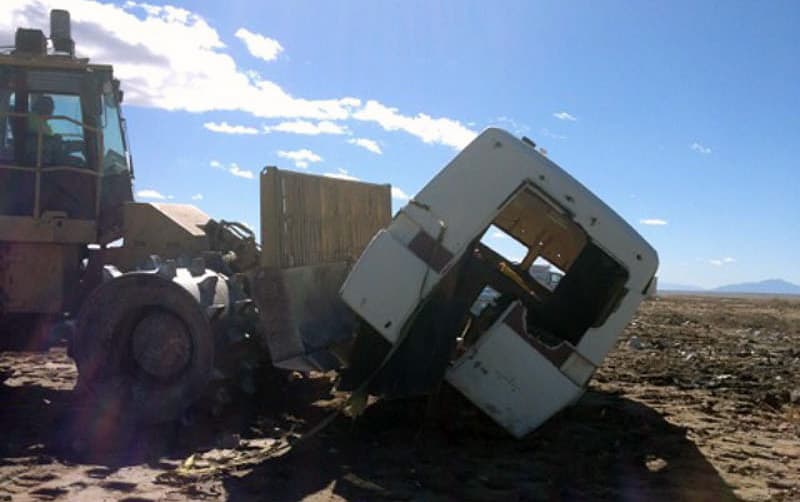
x,y
770,286
674,286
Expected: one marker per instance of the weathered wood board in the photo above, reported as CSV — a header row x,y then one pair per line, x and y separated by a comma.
x,y
310,220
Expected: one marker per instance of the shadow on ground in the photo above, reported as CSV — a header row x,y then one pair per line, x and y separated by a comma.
x,y
48,424
41,423
606,447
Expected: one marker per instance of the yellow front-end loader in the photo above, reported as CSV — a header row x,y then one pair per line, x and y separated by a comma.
x,y
173,305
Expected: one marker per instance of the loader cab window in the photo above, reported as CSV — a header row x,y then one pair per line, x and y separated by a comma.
x,y
55,120
115,152
16,186
6,127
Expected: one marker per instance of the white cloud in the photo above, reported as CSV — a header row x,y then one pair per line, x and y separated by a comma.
x,y
307,128
548,133
197,196
150,194
171,58
301,158
235,170
565,116
430,130
259,46
225,128
697,147
500,235
509,123
656,222
399,194
341,176
366,144
718,262
721,261
302,154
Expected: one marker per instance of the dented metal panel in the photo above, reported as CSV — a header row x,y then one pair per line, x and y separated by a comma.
x,y
515,382
37,277
167,230
302,316
385,299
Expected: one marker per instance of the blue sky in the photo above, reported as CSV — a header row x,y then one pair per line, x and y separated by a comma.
x,y
683,116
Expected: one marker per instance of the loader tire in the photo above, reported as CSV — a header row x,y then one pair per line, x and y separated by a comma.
x,y
143,347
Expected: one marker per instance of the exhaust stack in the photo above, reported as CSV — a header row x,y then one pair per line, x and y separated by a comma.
x,y
61,32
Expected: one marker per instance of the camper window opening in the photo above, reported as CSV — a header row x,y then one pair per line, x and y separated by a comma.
x,y
574,284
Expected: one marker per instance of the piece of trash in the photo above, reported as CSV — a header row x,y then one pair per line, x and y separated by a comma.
x,y
655,464
189,462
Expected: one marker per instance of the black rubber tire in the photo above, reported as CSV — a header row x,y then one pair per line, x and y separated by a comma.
x,y
102,348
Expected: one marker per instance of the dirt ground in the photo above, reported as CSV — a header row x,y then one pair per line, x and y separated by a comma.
x,y
699,401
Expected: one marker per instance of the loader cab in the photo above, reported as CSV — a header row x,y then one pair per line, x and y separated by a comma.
x,y
63,146
64,169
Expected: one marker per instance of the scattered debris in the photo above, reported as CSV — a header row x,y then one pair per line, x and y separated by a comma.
x,y
668,424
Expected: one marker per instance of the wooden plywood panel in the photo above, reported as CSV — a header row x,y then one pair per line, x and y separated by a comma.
x,y
270,200
544,229
303,220
353,213
307,220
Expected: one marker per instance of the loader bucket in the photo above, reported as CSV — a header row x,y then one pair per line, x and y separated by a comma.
x,y
302,315
313,228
